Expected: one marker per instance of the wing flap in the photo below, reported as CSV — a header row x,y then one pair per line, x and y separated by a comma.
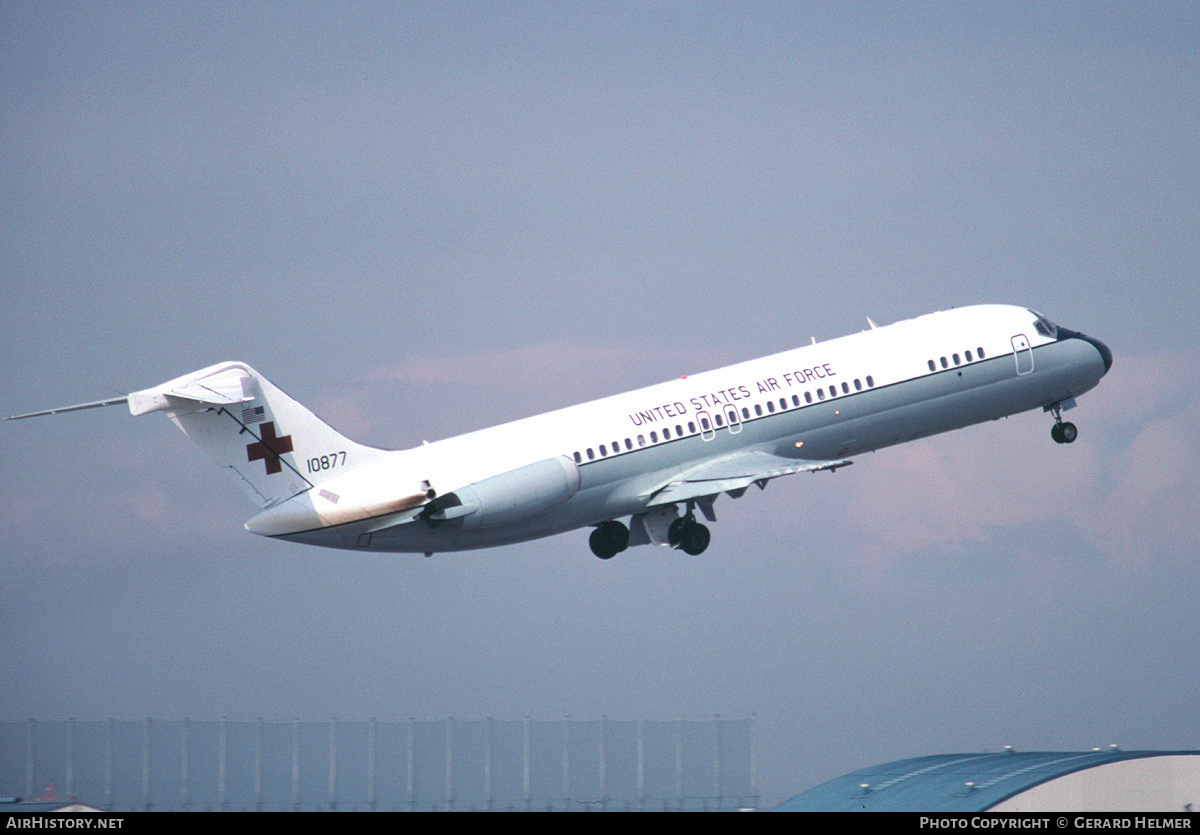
x,y
731,474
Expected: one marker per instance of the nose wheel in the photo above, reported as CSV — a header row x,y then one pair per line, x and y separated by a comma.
x,y
1063,432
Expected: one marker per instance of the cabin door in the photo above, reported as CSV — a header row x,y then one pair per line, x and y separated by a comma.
x,y
1023,354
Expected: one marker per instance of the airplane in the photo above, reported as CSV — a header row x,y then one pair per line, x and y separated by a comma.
x,y
654,455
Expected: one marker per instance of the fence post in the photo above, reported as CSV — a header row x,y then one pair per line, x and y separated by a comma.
x,y
371,764
108,769
332,764
527,790
754,759
717,759
641,765
487,764
449,763
679,761
566,763
29,732
258,766
184,794
296,765
412,794
222,749
146,766
71,759
604,763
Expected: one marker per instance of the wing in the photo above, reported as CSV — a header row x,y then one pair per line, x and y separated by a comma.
x,y
732,474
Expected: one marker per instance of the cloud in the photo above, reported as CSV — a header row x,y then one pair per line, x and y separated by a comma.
x,y
1126,489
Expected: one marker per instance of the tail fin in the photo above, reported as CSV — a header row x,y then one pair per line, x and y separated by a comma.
x,y
274,447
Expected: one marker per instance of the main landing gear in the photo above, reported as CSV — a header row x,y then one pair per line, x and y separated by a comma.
x,y
685,533
1063,432
688,535
609,539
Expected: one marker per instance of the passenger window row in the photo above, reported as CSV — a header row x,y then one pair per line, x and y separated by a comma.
x,y
956,359
605,450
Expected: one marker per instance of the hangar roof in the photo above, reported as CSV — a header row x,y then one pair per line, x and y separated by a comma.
x,y
951,782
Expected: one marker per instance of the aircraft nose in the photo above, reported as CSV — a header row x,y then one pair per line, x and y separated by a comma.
x,y
1105,354
1101,348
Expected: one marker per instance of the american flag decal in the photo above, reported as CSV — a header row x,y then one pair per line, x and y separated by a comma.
x,y
253,415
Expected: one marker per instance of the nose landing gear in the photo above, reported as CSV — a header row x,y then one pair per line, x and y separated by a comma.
x,y
1063,432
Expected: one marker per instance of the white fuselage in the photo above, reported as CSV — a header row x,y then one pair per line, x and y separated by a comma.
x,y
821,402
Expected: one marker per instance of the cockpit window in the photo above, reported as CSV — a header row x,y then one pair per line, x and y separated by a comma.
x,y
1044,326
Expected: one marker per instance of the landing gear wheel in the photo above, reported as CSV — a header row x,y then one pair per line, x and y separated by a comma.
x,y
675,531
1064,433
601,546
695,539
609,539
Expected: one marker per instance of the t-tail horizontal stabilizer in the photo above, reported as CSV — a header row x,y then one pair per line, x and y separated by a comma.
x,y
275,447
76,408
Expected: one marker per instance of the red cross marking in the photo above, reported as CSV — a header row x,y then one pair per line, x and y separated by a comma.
x,y
269,448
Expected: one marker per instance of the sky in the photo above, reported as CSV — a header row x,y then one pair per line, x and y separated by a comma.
x,y
421,219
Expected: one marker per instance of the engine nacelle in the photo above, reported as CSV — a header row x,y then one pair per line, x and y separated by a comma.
x,y
509,497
